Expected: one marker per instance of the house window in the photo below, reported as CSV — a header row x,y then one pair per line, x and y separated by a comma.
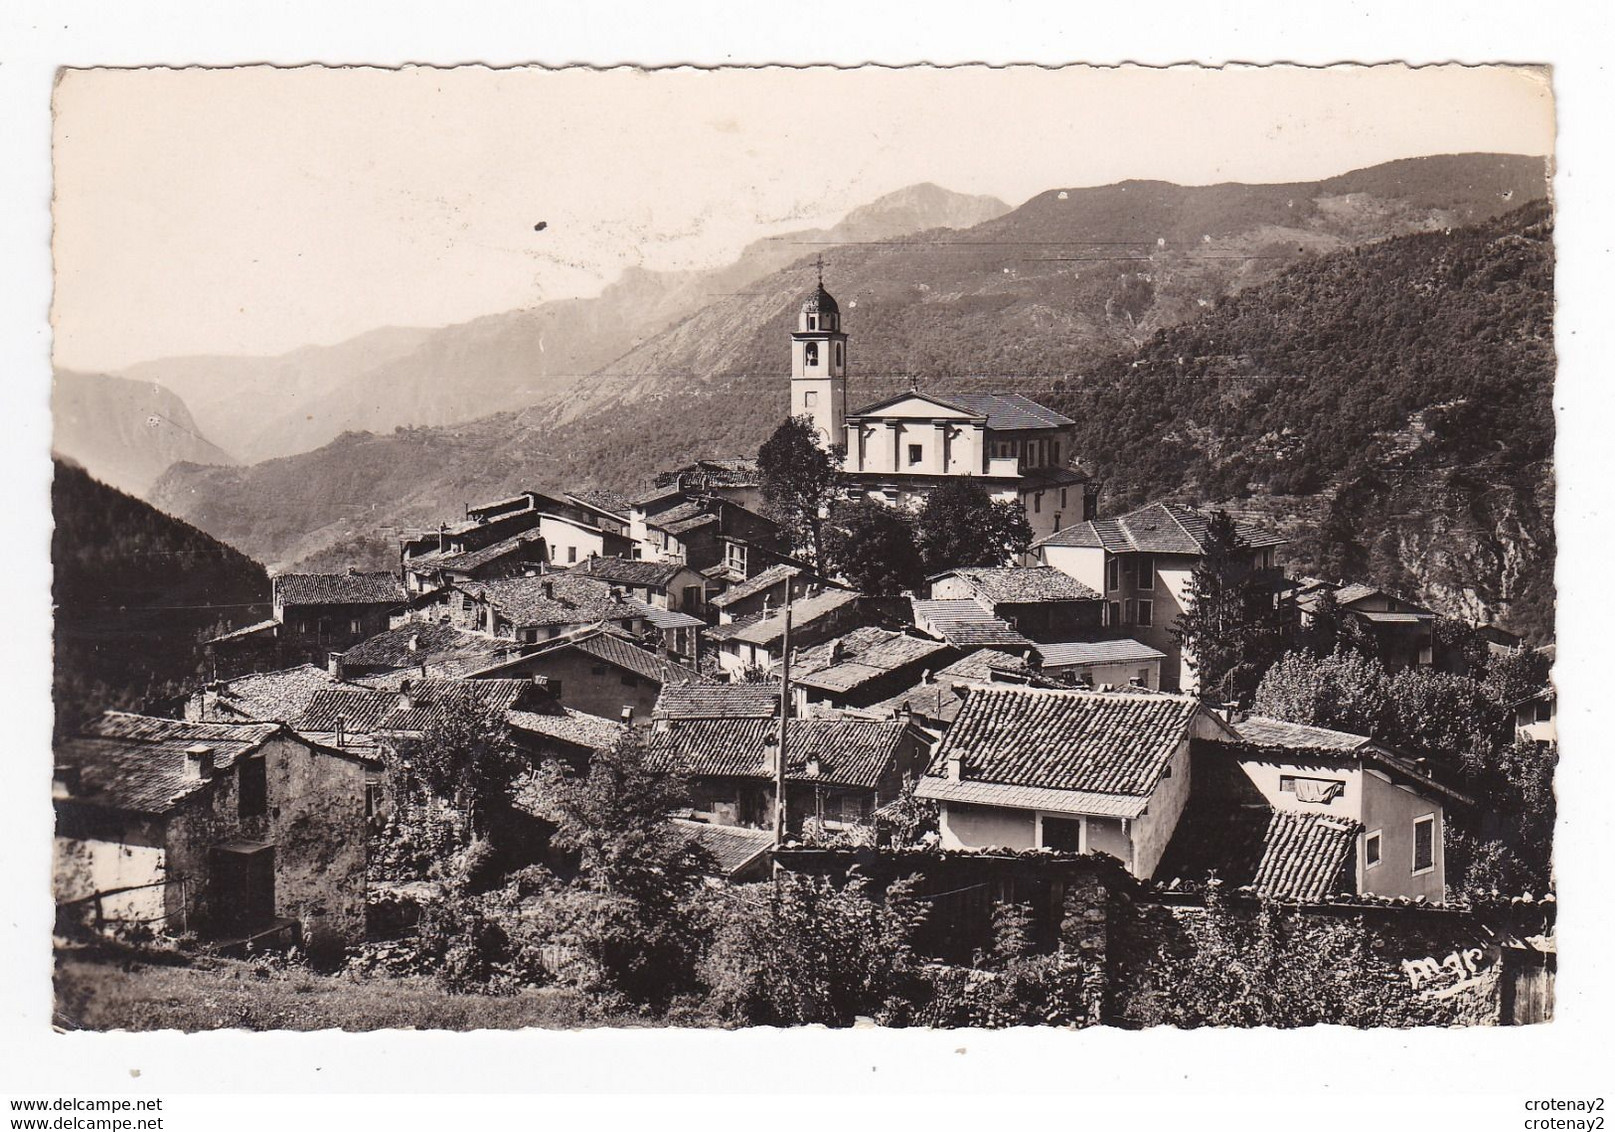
x,y
1143,681
1127,611
1062,833
1371,849
916,453
252,788
810,398
1319,790
355,626
1146,571
1544,710
1113,612
1057,521
1146,612
372,799
1062,497
1424,844
571,554
1113,574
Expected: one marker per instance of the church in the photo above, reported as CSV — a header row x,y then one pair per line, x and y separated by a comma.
x,y
899,449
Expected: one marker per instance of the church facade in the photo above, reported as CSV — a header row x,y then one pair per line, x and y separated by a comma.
x,y
900,449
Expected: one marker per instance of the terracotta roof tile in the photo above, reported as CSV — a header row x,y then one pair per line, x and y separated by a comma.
x,y
717,701
340,589
1012,584
268,696
1156,528
137,762
1304,856
850,752
1097,742
732,847
430,701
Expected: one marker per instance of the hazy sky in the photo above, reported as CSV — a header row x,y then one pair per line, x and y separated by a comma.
x,y
256,210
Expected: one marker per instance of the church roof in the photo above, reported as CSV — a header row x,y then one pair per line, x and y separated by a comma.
x,y
820,302
1001,412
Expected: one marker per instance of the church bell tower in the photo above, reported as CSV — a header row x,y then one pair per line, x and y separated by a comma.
x,y
819,366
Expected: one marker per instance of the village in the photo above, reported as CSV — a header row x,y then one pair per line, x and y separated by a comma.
x,y
902,670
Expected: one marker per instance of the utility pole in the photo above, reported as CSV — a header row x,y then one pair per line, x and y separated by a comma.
x,y
784,715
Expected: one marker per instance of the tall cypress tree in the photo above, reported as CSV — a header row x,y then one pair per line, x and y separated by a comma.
x,y
1229,627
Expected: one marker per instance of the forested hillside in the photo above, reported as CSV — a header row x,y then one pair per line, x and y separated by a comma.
x,y
1403,390
135,592
126,432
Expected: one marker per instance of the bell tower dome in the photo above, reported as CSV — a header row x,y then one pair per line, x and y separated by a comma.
x,y
819,365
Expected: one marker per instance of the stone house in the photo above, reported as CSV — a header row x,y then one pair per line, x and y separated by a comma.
x,y
230,830
1403,631
1143,564
756,642
862,667
1038,602
1098,664
1303,812
698,530
1025,768
313,614
838,771
598,670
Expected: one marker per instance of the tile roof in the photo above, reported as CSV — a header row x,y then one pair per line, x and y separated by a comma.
x,y
1095,742
612,647
355,588
629,571
469,560
575,727
717,701
1004,412
1009,584
981,664
860,656
1264,731
573,600
369,710
613,503
850,752
268,696
1304,856
1045,478
655,494
137,762
445,648
672,619
963,623
1060,654
1009,411
732,847
252,630
772,576
1155,528
940,789
804,611
731,471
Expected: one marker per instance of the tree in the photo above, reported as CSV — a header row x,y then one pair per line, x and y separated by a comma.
x,y
799,478
961,525
627,915
1229,626
1268,966
872,546
1506,844
467,759
810,952
1345,690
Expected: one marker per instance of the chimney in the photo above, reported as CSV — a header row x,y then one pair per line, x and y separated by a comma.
x,y
333,664
627,714
406,701
341,730
814,767
616,593
199,762
414,642
956,766
549,591
926,677
770,755
65,780
442,538
353,570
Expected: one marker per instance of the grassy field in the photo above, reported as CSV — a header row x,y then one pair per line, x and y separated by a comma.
x,y
103,991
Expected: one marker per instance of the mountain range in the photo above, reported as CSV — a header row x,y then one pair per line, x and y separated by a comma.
x,y
129,431
1032,300
261,408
